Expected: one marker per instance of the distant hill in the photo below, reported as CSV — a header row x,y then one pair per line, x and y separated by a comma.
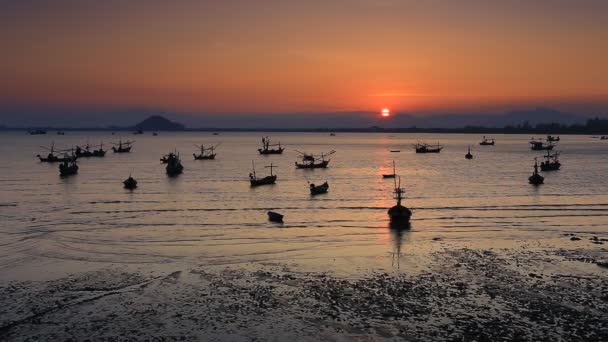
x,y
159,123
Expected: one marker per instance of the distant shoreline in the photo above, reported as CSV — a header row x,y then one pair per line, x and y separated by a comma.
x,y
470,130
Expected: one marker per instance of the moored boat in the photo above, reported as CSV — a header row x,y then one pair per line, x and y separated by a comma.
x,y
551,162
539,145
536,178
390,175
311,161
174,165
551,138
487,142
469,155
319,189
399,215
130,183
427,148
275,217
266,147
68,167
122,146
206,152
255,181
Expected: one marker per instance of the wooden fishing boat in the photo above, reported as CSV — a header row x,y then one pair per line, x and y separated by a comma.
x,y
275,217
551,138
390,175
311,161
539,145
318,189
255,181
60,133
53,157
266,147
130,183
206,152
551,162
427,148
68,167
536,178
469,155
174,165
487,142
87,152
37,132
399,215
122,146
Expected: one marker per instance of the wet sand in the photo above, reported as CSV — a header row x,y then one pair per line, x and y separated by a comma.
x,y
483,294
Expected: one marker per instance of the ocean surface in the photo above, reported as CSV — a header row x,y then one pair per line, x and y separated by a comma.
x,y
210,215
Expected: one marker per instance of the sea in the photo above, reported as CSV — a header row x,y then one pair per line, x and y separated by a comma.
x,y
209,215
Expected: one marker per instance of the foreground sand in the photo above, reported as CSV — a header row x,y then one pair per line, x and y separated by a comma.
x,y
464,294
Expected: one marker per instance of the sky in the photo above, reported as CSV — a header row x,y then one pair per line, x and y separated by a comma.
x,y
217,58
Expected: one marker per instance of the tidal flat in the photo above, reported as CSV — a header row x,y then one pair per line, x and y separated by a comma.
x,y
466,294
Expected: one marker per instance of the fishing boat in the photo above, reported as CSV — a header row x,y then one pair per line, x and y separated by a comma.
x,y
536,178
332,134
390,175
275,217
37,132
427,148
216,133
399,214
174,165
68,167
206,152
164,159
551,138
255,181
154,133
266,147
551,162
60,133
395,151
86,151
604,137
469,155
314,161
540,145
52,156
487,142
122,146
130,183
318,189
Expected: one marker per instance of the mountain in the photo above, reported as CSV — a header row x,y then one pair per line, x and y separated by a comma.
x,y
159,123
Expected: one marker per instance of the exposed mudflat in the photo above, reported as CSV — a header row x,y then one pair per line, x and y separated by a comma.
x,y
466,294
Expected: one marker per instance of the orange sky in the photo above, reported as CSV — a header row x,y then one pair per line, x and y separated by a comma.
x,y
304,56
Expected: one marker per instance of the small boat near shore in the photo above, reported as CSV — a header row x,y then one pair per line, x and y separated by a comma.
x,y
275,217
428,148
255,181
551,138
536,178
130,183
399,215
266,147
37,132
318,189
53,157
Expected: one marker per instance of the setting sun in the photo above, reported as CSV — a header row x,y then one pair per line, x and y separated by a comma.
x,y
386,112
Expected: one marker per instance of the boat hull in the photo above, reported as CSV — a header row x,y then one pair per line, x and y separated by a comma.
x,y
320,189
121,149
320,165
550,166
428,150
202,157
68,170
536,179
263,181
399,214
275,217
271,151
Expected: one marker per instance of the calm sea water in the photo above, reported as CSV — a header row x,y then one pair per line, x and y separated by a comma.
x,y
209,215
